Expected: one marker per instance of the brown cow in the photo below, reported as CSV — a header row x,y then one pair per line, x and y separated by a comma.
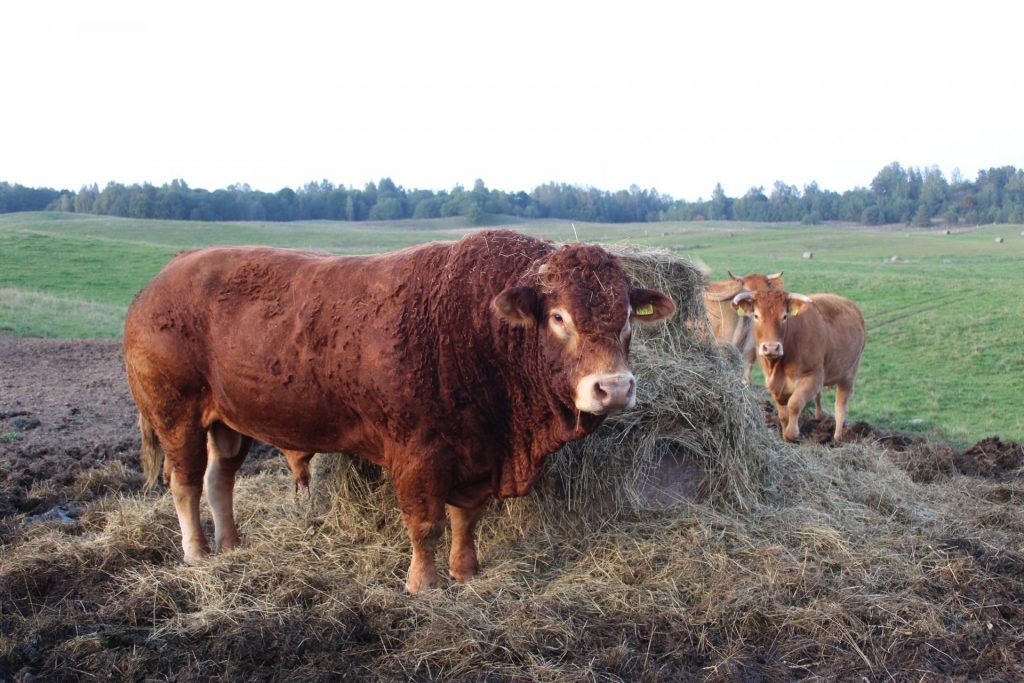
x,y
457,366
728,327
803,344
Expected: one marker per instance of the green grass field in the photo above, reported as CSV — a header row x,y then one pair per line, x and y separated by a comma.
x,y
945,346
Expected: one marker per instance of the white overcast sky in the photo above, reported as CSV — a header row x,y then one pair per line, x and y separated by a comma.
x,y
669,95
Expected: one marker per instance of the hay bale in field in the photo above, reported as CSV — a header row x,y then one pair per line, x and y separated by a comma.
x,y
696,432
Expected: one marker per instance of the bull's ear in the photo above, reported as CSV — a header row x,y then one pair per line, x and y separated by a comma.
x,y
796,304
517,306
743,303
650,305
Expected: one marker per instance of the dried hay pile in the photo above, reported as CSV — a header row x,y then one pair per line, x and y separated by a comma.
x,y
794,562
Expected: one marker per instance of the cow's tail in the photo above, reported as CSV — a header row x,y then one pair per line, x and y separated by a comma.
x,y
152,454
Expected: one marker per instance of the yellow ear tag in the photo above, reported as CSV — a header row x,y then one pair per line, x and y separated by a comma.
x,y
794,312
646,309
741,311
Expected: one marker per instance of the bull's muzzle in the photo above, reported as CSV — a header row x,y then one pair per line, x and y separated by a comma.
x,y
602,394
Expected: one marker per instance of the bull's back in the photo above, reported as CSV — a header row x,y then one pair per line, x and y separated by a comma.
x,y
270,341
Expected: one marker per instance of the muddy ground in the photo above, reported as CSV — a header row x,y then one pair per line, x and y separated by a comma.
x,y
66,419
66,416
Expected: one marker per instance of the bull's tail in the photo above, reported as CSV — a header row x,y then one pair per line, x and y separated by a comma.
x,y
152,454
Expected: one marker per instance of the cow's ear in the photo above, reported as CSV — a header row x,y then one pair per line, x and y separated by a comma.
x,y
743,303
796,303
650,305
517,306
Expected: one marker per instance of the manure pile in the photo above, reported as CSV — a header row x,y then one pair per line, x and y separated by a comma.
x,y
683,541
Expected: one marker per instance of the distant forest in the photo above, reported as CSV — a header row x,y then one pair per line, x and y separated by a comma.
x,y
911,196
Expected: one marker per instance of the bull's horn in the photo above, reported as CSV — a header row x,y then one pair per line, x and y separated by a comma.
x,y
737,279
801,297
774,276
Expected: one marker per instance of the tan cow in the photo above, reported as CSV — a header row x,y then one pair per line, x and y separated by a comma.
x,y
459,367
728,327
804,343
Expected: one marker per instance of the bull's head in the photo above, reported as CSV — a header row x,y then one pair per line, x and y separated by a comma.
x,y
583,310
771,309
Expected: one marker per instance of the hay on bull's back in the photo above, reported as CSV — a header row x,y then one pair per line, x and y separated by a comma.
x,y
696,430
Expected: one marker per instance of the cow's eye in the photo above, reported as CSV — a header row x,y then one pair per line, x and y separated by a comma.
x,y
557,317
784,316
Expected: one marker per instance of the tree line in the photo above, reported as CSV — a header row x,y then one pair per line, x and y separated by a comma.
x,y
910,196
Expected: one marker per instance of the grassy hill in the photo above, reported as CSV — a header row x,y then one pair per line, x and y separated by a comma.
x,y
945,346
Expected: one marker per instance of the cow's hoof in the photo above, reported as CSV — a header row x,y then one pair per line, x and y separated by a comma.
x,y
464,574
196,554
418,584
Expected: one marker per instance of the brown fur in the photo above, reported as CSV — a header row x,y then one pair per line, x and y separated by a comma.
x,y
729,327
822,343
411,360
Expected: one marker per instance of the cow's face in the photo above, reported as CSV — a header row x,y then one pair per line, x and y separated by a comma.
x,y
583,311
771,309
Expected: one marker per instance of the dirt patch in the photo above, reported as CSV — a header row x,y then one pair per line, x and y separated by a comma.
x,y
68,426
922,457
992,457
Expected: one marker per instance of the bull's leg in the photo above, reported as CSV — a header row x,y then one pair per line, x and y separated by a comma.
x,y
818,412
423,514
462,562
184,464
843,391
298,463
226,449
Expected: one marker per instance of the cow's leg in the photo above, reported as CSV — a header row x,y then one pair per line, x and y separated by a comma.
x,y
226,449
818,412
795,405
423,514
783,413
843,391
749,353
462,562
184,465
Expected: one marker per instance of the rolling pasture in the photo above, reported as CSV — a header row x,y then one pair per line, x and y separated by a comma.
x,y
945,351
891,557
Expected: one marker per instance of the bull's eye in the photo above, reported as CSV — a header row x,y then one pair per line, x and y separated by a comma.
x,y
784,316
557,317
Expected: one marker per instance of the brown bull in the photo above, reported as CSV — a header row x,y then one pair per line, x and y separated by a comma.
x,y
804,343
727,325
459,367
